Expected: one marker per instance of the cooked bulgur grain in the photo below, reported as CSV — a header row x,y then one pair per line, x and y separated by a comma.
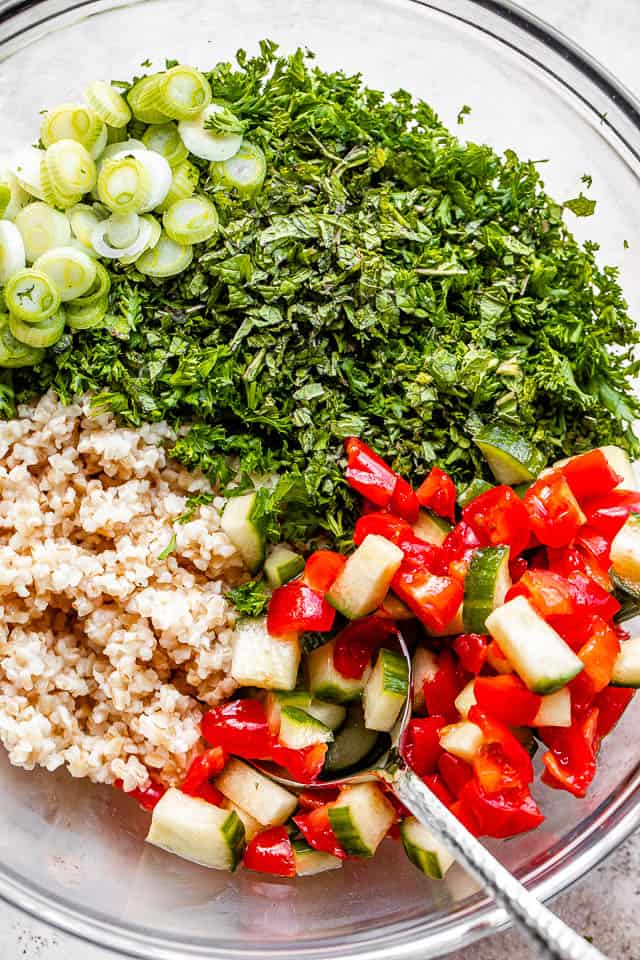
x,y
108,654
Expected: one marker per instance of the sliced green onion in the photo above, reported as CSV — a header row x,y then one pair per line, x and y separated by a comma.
x,y
166,259
245,171
13,353
165,140
143,98
83,218
124,185
160,176
53,197
18,197
120,149
152,237
98,290
183,183
122,229
85,317
39,335
5,198
31,295
104,249
27,171
42,228
98,147
72,121
183,93
116,135
206,143
12,255
72,271
191,221
70,168
108,104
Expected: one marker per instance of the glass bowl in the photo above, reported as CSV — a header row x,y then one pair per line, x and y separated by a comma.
x,y
72,853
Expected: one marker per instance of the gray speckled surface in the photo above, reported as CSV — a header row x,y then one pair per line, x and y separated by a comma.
x,y
606,904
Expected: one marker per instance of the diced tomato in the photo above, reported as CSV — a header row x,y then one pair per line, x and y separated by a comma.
x,y
438,493
471,650
550,593
497,659
590,597
466,817
608,514
576,557
148,798
203,767
595,544
554,513
590,475
418,553
239,727
455,772
571,760
384,525
421,746
611,704
404,501
498,516
359,642
316,828
322,568
271,852
433,599
303,765
599,653
457,550
503,814
506,698
501,750
437,785
441,690
518,566
296,607
209,792
312,799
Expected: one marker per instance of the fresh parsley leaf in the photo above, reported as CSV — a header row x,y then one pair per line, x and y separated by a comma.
x,y
463,112
224,121
169,549
582,206
587,179
198,500
250,598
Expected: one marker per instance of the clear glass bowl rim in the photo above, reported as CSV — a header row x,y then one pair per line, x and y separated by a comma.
x,y
612,823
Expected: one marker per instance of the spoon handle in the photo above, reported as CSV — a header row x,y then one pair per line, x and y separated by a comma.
x,y
552,938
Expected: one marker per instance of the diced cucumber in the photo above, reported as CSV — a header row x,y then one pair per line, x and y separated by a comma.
x,y
554,710
466,699
282,565
238,524
485,586
351,744
626,670
386,691
538,654
260,660
625,556
511,458
360,819
454,627
298,729
266,801
332,715
251,825
431,528
363,582
425,851
472,490
326,683
396,609
309,861
197,830
631,588
423,668
462,739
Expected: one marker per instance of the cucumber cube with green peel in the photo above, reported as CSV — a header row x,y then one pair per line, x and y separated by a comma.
x,y
261,660
327,683
360,819
352,743
262,798
363,582
625,556
386,691
245,534
309,861
197,830
424,850
511,457
299,730
626,669
431,528
282,565
485,586
554,710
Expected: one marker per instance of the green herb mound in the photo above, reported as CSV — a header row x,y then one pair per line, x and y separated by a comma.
x,y
388,281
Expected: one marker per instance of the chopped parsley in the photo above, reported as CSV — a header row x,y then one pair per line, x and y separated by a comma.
x,y
250,598
388,281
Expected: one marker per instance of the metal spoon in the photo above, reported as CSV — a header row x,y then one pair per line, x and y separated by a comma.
x,y
550,937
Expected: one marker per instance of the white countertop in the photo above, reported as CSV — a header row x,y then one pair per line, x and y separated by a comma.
x,y
605,906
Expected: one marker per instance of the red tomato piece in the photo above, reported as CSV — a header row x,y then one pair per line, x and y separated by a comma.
x,y
457,550
500,745
576,557
384,525
554,513
505,698
433,599
471,650
207,791
303,765
368,474
437,785
503,814
404,501
442,689
611,704
148,798
590,475
359,642
571,760
497,659
316,828
590,597
438,493
322,568
550,593
312,799
271,852
466,817
599,653
421,745
455,772
596,545
498,516
239,727
608,514
203,767
296,607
